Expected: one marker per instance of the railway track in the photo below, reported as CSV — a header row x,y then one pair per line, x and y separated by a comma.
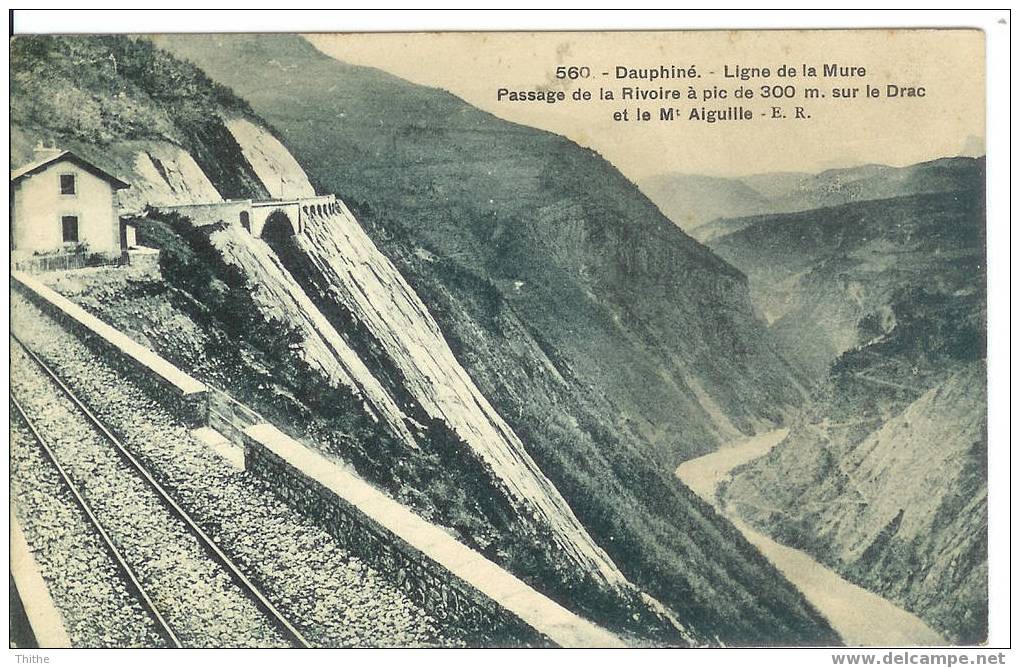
x,y
136,580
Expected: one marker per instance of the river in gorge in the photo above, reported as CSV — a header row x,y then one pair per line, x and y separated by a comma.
x,y
858,615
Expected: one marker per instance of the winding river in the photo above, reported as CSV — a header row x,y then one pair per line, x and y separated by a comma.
x,y
859,616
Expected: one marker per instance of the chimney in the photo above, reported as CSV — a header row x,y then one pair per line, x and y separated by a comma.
x,y
42,151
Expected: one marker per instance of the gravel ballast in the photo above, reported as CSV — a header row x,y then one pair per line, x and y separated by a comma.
x,y
98,605
195,594
330,595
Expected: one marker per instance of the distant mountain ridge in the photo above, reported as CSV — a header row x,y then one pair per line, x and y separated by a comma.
x,y
814,274
712,207
691,201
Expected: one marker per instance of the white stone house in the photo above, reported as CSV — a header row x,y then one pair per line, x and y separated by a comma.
x,y
61,202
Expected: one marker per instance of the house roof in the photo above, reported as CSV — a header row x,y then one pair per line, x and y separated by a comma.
x,y
42,163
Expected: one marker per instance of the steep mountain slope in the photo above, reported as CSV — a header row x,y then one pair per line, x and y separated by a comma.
x,y
387,310
231,307
814,275
563,292
133,109
351,269
558,233
534,512
885,478
881,299
883,475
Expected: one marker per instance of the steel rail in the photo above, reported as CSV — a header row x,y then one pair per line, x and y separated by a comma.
x,y
122,564
208,543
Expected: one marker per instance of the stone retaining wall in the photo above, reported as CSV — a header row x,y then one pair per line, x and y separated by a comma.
x,y
452,581
183,395
210,213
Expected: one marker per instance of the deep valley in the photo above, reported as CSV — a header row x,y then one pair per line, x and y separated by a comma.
x,y
496,328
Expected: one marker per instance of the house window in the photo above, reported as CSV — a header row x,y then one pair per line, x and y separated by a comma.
x,y
67,184
69,228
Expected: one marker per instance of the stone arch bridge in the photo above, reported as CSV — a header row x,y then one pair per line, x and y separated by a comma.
x,y
261,217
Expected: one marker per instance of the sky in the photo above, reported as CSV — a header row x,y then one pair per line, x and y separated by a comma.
x,y
949,64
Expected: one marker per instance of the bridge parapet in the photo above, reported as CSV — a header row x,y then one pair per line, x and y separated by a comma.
x,y
209,213
253,214
296,210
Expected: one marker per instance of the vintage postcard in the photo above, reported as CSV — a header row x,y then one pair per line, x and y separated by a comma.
x,y
662,338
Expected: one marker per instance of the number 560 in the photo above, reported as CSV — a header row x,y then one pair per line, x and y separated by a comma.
x,y
573,72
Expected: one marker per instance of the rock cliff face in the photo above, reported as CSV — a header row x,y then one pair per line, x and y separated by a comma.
x,y
901,511
883,475
166,175
275,167
282,299
347,268
353,272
